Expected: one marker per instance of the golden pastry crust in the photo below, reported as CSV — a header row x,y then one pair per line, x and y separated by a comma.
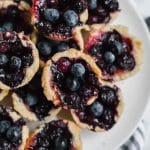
x,y
119,109
137,50
24,111
75,30
3,94
51,92
73,129
25,131
77,37
29,71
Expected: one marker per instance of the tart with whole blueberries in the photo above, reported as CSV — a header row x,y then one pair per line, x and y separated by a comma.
x,y
71,79
55,135
104,112
15,16
13,130
59,19
31,103
102,12
47,48
117,53
3,94
19,60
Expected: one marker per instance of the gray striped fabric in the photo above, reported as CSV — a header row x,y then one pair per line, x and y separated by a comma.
x,y
137,140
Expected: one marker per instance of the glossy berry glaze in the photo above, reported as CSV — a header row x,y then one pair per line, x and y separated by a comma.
x,y
75,81
14,19
47,48
100,10
10,131
112,52
54,136
102,113
14,59
57,18
34,98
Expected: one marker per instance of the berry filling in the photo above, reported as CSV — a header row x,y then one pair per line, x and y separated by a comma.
x,y
10,131
34,98
54,136
75,81
14,58
100,10
14,19
58,17
112,52
47,48
103,111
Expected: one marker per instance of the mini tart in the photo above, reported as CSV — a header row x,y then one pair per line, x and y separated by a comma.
x,y
31,103
47,48
59,29
71,79
57,134
13,130
15,16
104,112
104,12
3,94
118,54
19,60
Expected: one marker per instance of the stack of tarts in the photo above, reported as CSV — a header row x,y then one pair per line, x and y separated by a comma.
x,y
61,55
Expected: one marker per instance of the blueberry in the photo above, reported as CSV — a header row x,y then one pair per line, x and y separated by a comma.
x,y
71,18
62,46
2,75
15,63
42,148
8,26
13,134
45,48
60,143
51,14
52,3
3,59
96,109
108,96
96,49
4,126
78,70
126,61
109,57
72,84
2,29
79,6
6,145
92,4
13,12
111,5
31,99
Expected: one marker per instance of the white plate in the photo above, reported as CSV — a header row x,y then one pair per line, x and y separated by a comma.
x,y
136,90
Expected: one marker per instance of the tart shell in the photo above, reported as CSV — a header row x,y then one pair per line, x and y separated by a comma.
x,y
25,131
23,109
137,50
3,94
73,129
75,30
49,91
119,109
31,70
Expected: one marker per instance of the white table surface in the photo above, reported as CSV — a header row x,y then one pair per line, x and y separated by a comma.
x,y
144,7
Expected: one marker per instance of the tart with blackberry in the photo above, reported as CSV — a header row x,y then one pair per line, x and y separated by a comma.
x,y
15,16
55,135
71,79
102,12
117,53
59,19
19,60
13,130
103,113
3,94
47,48
31,103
